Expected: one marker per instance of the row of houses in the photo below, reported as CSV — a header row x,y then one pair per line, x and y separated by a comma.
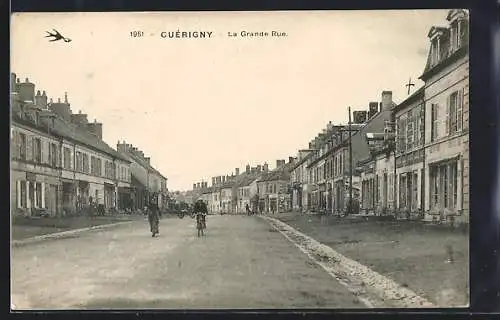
x,y
407,159
257,188
60,165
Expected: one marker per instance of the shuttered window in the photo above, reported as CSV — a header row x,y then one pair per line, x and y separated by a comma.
x,y
22,194
37,150
460,103
434,121
67,158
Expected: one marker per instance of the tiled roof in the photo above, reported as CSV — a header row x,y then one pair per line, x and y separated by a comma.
x,y
228,184
298,163
207,190
280,173
143,163
447,56
413,97
66,130
245,179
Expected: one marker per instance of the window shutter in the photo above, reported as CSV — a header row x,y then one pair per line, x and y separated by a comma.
x,y
461,177
29,148
422,124
18,144
464,32
447,117
44,150
18,189
14,146
460,108
450,186
59,153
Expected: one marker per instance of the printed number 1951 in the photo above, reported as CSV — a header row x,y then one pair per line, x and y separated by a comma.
x,y
136,34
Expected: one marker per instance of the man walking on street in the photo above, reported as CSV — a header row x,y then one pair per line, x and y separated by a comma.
x,y
153,216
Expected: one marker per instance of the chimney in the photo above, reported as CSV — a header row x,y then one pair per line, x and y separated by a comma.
x,y
290,159
259,168
61,109
26,91
148,159
96,129
329,126
359,117
278,163
386,100
223,179
372,109
247,169
237,171
38,97
122,147
213,181
79,118
13,78
44,99
266,167
194,186
198,185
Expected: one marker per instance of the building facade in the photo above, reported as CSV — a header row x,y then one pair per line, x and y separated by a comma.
x,y
410,134
274,188
59,163
145,179
299,180
446,91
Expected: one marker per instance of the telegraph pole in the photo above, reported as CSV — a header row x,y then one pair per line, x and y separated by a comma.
x,y
350,163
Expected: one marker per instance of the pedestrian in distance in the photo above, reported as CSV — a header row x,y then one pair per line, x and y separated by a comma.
x,y
200,209
153,217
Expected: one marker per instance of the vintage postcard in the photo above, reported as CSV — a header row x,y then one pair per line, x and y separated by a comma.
x,y
242,160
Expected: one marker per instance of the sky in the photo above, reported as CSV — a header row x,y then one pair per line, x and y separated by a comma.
x,y
203,107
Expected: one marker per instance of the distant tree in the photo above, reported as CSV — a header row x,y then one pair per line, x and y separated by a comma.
x,y
184,205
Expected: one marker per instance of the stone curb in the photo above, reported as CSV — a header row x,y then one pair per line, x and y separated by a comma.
x,y
376,290
64,234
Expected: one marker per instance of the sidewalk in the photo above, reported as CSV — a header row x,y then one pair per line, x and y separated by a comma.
x,y
23,228
413,255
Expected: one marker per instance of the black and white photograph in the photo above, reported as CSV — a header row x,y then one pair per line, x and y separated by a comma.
x,y
239,160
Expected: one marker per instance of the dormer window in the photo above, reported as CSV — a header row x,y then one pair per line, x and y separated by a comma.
x,y
435,51
459,34
459,29
455,35
439,44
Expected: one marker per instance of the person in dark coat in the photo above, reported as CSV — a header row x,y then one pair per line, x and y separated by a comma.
x,y
153,216
200,210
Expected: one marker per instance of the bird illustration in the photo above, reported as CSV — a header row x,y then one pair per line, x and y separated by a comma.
x,y
57,36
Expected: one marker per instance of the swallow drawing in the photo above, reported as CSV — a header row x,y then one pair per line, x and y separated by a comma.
x,y
57,36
